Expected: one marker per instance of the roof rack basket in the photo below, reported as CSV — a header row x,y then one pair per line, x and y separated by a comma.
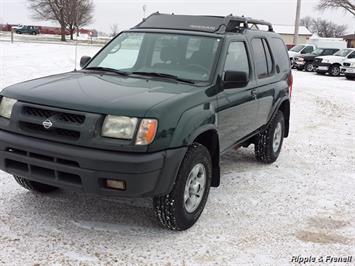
x,y
212,24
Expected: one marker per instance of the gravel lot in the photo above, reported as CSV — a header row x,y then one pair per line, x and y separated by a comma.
x,y
302,205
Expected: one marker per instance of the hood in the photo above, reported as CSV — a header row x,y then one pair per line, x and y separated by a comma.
x,y
97,93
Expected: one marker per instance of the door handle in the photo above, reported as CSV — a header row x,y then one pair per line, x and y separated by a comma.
x,y
253,94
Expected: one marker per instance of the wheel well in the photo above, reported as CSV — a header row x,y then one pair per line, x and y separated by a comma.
x,y
285,109
336,64
210,140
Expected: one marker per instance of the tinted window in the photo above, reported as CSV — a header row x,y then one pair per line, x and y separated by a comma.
x,y
259,58
307,50
280,54
352,55
268,57
329,51
237,58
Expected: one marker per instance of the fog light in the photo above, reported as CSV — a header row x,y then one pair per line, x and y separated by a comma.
x,y
116,184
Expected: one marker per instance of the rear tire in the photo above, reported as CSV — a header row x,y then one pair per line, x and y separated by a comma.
x,y
34,186
181,208
269,142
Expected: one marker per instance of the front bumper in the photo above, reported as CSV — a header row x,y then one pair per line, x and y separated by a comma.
x,y
349,71
85,169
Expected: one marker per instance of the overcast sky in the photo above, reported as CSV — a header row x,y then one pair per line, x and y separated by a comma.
x,y
128,13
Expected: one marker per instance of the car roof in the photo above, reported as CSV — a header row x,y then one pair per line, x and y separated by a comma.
x,y
208,24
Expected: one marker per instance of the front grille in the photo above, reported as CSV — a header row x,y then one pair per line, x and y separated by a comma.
x,y
17,164
54,132
64,125
347,64
59,116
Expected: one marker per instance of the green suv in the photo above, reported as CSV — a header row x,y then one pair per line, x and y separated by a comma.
x,y
33,30
151,113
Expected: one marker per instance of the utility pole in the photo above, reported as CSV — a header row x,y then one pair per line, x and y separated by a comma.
x,y
144,10
297,22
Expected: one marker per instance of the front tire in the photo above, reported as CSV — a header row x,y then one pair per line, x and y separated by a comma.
x,y
309,67
269,142
349,77
34,186
181,208
334,70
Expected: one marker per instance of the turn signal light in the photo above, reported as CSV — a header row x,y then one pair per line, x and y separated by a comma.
x,y
116,184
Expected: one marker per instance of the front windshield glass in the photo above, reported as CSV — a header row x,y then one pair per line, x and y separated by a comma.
x,y
187,57
317,51
297,48
343,52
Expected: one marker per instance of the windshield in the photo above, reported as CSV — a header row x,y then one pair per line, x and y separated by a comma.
x,y
183,56
317,51
343,52
297,48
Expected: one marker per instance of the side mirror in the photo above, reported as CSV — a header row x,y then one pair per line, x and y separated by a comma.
x,y
235,79
84,60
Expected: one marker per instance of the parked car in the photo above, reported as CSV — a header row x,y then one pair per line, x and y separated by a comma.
x,y
150,114
33,30
306,61
298,50
332,63
349,68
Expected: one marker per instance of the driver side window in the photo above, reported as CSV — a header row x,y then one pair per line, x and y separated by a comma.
x,y
307,50
352,55
237,58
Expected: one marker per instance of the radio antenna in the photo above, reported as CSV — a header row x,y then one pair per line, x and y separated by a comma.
x,y
76,48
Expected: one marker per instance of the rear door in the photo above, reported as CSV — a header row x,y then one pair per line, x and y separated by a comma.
x,y
272,68
264,70
237,107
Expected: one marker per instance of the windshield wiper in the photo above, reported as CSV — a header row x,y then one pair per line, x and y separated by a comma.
x,y
107,69
163,75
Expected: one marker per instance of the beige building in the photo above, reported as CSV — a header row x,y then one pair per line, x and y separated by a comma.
x,y
287,33
350,40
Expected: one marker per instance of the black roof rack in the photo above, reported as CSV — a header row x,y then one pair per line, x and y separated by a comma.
x,y
212,24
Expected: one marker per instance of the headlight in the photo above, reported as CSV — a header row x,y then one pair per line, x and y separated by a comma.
x,y
120,127
123,127
6,107
146,132
300,59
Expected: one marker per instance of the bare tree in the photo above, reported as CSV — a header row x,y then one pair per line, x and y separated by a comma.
x,y
323,28
114,30
50,10
306,22
68,13
346,5
78,14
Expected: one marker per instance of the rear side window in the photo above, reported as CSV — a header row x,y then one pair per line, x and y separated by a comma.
x,y
237,58
262,56
280,54
268,57
259,58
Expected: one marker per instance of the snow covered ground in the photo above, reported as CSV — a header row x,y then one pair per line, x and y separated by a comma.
x,y
302,205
